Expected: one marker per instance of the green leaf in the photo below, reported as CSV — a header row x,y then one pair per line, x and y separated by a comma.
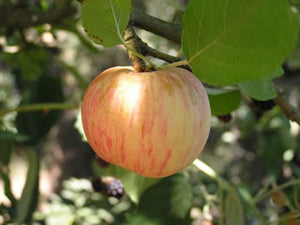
x,y
223,101
260,90
233,208
28,202
169,201
277,73
103,18
293,61
133,183
228,42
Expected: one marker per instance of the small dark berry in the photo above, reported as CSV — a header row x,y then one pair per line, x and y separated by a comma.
x,y
225,118
97,184
115,188
264,105
102,162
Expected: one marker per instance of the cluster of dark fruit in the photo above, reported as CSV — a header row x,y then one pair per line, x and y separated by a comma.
x,y
225,118
264,105
102,163
112,187
115,188
261,106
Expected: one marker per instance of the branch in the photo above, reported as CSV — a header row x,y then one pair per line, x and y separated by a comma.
x,y
22,18
140,46
266,193
170,31
160,55
39,107
290,111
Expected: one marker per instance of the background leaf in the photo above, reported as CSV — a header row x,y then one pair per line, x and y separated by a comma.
x,y
4,175
30,63
260,90
237,41
233,208
169,201
98,20
138,219
37,124
223,101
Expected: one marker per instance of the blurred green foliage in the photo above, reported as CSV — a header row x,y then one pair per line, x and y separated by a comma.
x,y
52,61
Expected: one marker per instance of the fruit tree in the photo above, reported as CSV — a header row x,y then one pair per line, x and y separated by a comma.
x,y
149,112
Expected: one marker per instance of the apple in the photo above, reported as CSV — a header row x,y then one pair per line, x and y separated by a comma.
x,y
152,123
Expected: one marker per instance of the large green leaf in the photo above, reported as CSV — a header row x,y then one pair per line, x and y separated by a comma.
x,y
133,183
229,41
233,208
223,101
103,19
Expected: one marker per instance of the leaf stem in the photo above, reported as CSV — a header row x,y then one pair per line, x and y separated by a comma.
x,y
278,188
175,64
39,107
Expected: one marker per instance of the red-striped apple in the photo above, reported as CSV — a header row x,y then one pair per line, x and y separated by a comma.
x,y
152,123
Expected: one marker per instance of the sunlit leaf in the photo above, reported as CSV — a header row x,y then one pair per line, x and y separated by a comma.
x,y
103,18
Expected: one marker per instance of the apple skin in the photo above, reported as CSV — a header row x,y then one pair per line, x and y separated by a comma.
x,y
152,123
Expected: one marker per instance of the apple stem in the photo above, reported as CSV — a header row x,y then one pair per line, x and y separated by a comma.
x,y
135,50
